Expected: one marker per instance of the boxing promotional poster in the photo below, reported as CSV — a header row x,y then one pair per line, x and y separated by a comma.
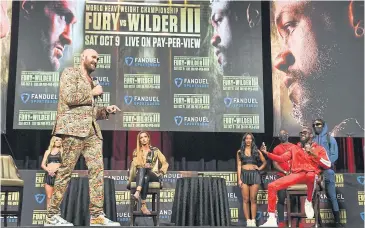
x,y
169,65
5,36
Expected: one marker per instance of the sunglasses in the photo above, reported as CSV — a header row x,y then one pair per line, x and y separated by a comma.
x,y
317,124
303,133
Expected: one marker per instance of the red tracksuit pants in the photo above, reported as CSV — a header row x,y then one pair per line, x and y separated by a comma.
x,y
308,178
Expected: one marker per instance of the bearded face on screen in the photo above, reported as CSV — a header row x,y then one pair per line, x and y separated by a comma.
x,y
234,24
49,30
316,57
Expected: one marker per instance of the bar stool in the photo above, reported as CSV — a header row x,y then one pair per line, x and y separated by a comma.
x,y
299,190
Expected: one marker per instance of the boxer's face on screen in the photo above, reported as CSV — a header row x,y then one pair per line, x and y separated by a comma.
x,y
222,38
60,16
144,139
307,55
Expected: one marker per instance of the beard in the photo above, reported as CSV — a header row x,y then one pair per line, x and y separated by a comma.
x,y
312,104
317,88
303,141
47,52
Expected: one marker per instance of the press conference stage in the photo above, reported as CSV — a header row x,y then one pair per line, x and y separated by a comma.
x,y
350,194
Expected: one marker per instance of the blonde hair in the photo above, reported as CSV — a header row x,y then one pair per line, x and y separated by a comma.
x,y
138,151
52,142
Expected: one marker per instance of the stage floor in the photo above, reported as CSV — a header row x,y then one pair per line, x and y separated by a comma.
x,y
163,225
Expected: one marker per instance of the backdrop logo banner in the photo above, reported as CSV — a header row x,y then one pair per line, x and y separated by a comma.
x,y
34,208
234,214
167,195
327,216
324,199
178,82
178,120
25,97
39,198
231,178
191,82
339,180
237,102
227,101
142,61
360,180
128,99
129,60
165,214
10,220
122,197
39,217
262,197
259,214
198,121
232,197
152,59
361,198
13,199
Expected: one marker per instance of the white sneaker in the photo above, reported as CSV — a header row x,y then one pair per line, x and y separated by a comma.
x,y
308,208
271,222
57,220
101,220
248,223
253,222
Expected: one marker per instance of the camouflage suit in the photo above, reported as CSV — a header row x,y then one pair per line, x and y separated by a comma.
x,y
76,125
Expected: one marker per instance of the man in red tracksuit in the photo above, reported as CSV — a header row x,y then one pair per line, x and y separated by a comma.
x,y
283,169
307,159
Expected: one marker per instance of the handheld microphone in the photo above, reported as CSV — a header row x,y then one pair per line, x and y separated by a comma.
x,y
96,83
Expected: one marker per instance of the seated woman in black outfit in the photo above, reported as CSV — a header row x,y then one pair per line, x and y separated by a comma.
x,y
145,167
50,163
249,179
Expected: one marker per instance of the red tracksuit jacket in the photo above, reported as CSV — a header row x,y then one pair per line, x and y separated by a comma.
x,y
301,161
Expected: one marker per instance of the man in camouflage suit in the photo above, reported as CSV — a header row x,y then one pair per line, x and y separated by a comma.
x,y
76,125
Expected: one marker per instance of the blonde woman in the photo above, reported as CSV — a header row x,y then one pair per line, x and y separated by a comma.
x,y
50,163
145,167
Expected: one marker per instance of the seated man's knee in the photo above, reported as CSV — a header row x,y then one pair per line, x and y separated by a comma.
x,y
272,186
329,172
311,175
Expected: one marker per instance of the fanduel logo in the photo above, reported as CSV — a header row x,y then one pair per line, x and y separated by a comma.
x,y
39,198
191,120
258,215
191,82
240,102
25,97
142,100
39,98
360,179
142,61
103,81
